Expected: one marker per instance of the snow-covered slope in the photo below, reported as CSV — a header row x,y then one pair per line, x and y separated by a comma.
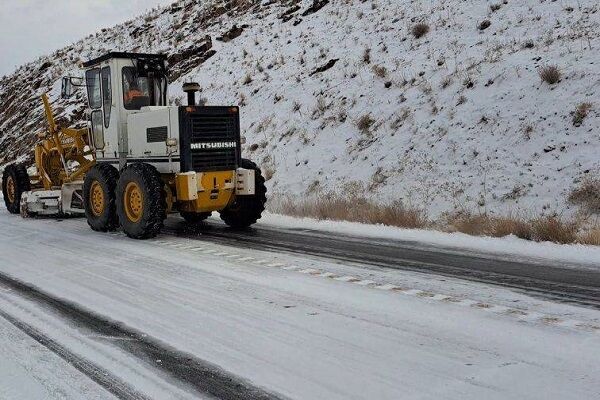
x,y
457,119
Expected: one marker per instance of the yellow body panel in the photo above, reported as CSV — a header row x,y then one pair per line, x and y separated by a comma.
x,y
214,191
186,185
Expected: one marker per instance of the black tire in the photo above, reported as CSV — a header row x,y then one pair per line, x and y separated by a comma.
x,y
246,210
17,175
103,177
193,217
153,205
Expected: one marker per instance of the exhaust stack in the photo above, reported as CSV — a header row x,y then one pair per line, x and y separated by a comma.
x,y
191,88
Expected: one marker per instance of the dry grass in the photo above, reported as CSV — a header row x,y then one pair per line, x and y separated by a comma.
x,y
476,225
505,226
550,74
419,30
587,195
554,229
590,237
355,209
543,229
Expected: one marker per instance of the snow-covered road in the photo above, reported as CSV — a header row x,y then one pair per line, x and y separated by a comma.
x,y
293,326
28,370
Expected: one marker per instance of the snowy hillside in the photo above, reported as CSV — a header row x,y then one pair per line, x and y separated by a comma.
x,y
342,95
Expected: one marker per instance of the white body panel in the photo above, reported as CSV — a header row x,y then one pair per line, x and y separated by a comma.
x,y
125,136
140,145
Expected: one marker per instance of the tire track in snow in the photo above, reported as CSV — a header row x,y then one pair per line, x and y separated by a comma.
x,y
98,374
198,375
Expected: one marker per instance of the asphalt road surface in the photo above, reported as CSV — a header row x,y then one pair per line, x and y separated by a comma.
x,y
568,283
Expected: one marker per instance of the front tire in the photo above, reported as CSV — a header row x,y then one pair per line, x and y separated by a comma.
x,y
99,194
246,210
141,201
15,181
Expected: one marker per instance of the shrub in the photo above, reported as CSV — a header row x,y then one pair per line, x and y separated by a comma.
x,y
528,44
320,107
528,131
268,172
367,56
419,30
379,70
247,79
550,74
483,25
581,112
447,81
587,195
365,123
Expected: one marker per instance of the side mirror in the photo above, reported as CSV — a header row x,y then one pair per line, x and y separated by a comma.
x,y
66,90
69,84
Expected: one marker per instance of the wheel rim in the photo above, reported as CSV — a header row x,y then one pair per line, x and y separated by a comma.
x,y
10,189
97,199
133,202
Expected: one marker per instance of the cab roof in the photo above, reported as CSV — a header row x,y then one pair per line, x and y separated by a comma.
x,y
116,54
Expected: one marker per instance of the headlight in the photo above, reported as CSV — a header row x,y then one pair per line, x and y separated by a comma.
x,y
171,142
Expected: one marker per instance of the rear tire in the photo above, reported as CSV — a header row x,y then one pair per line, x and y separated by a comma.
x,y
15,181
99,196
246,210
141,201
193,217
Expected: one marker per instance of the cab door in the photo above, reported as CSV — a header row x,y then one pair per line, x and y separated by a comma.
x,y
102,117
94,92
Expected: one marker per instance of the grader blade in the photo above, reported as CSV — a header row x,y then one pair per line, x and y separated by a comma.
x,y
62,157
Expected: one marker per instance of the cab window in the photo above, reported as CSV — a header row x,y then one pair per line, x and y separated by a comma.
x,y
106,94
97,129
141,91
92,78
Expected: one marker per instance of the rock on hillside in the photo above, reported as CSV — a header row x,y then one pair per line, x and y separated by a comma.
x,y
437,103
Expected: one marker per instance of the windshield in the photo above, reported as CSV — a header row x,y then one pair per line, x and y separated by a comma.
x,y
141,91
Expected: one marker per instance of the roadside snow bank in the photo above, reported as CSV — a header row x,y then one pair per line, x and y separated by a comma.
x,y
507,246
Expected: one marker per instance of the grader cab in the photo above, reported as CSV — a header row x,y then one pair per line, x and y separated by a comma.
x,y
140,158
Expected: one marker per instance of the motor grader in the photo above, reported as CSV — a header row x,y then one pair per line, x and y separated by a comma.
x,y
139,158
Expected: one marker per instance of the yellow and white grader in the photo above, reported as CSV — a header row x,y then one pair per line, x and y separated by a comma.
x,y
139,159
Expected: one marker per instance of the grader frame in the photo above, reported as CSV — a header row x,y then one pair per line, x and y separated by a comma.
x,y
61,156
